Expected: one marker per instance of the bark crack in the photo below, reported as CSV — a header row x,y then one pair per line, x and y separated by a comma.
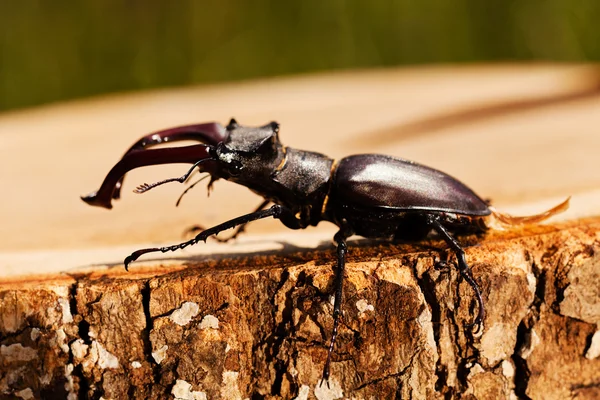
x,y
427,286
82,333
522,372
146,292
394,375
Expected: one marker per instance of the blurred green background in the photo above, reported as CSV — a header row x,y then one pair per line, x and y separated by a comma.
x,y
56,50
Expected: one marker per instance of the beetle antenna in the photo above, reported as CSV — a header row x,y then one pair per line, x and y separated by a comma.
x,y
189,188
145,186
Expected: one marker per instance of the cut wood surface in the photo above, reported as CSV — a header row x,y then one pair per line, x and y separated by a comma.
x,y
253,318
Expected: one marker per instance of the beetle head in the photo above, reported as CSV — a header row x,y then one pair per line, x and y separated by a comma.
x,y
248,153
249,139
245,155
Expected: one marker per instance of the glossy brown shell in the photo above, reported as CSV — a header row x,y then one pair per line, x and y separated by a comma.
x,y
378,181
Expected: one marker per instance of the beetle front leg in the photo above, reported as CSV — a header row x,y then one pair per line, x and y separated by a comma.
x,y
284,214
240,229
463,267
342,249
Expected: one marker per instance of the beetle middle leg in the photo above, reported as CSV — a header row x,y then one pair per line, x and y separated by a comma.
x,y
285,215
463,267
342,248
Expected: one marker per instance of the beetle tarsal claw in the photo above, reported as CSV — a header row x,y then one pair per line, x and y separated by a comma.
x,y
325,379
475,325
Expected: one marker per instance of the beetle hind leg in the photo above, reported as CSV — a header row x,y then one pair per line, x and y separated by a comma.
x,y
463,267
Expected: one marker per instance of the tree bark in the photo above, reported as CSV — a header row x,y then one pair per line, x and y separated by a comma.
x,y
258,326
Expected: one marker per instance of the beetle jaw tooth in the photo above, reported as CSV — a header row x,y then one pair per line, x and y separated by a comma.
x,y
92,200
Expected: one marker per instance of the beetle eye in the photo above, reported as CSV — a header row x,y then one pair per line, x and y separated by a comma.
x,y
235,168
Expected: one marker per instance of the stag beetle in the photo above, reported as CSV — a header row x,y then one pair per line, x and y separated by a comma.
x,y
371,195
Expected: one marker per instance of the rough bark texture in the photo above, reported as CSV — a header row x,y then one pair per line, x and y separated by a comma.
x,y
257,327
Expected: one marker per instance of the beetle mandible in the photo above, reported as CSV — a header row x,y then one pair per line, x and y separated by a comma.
x,y
370,195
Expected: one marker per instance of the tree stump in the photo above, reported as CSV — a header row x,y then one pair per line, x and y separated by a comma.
x,y
254,319
258,326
